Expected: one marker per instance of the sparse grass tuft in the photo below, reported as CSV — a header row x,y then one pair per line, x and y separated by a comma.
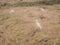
x,y
58,42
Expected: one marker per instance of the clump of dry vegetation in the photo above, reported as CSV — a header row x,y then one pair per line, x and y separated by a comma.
x,y
27,3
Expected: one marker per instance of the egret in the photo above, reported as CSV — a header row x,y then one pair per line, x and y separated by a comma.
x,y
42,9
12,11
38,24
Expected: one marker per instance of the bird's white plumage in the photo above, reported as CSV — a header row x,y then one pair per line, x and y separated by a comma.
x,y
42,9
12,11
38,24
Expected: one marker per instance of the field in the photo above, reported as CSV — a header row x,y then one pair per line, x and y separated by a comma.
x,y
19,28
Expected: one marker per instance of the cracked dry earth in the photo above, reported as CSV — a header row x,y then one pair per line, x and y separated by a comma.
x,y
19,28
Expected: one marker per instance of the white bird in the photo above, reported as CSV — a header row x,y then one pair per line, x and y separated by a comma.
x,y
42,9
38,24
12,11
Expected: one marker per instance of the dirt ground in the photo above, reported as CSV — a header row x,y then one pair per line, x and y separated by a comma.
x,y
19,28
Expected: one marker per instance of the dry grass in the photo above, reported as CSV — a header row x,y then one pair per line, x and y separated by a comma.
x,y
19,28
